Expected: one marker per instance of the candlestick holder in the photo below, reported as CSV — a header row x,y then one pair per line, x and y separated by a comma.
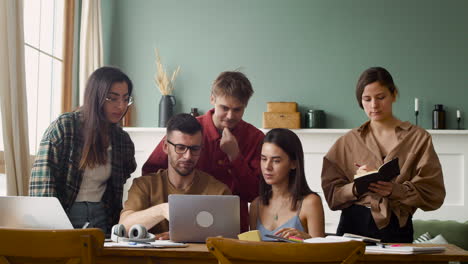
x,y
416,113
458,122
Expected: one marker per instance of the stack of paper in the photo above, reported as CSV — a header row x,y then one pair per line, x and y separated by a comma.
x,y
344,238
327,239
368,240
154,244
406,250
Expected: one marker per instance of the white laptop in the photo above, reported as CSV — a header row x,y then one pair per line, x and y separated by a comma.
x,y
193,218
33,212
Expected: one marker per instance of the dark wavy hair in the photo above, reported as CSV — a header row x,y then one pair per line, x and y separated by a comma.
x,y
290,143
184,123
95,129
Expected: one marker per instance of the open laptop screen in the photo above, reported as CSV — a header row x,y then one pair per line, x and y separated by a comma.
x,y
33,212
193,218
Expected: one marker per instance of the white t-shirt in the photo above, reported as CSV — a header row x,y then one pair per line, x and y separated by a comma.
x,y
94,182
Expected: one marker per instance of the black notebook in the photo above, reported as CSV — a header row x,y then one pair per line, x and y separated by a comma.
x,y
386,172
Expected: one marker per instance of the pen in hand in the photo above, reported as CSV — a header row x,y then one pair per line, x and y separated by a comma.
x,y
357,165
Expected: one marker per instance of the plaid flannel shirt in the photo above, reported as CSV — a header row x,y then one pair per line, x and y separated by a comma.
x,y
56,169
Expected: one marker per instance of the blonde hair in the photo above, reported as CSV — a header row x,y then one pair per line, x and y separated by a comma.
x,y
233,83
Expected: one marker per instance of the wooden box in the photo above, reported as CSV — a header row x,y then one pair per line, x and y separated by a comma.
x,y
282,120
282,107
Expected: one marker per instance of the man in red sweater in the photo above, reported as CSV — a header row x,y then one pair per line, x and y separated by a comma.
x,y
231,146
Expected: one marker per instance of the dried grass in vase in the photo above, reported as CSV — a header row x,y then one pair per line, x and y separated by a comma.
x,y
165,85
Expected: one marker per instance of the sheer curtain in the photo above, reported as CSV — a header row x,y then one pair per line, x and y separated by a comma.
x,y
91,54
13,97
2,162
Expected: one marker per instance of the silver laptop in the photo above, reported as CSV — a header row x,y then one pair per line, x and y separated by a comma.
x,y
193,218
33,212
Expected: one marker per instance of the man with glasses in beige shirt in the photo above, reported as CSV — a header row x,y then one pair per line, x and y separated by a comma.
x,y
148,196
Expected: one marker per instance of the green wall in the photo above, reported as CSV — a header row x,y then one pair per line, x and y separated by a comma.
x,y
308,51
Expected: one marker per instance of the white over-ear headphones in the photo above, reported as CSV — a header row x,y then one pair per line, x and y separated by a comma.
x,y
137,233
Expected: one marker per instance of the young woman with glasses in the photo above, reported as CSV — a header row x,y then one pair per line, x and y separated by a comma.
x,y
85,157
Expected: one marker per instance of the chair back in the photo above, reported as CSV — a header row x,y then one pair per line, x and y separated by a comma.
x,y
231,251
55,246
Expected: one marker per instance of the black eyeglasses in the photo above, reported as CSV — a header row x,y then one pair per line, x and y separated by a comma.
x,y
181,149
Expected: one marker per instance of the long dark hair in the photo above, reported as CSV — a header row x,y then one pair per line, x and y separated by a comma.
x,y
290,143
95,129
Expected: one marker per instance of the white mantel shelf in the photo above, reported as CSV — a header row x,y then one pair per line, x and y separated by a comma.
x,y
450,145
311,130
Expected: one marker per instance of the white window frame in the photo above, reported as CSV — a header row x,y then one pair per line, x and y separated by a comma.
x,y
43,22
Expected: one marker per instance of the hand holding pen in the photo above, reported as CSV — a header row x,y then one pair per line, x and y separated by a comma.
x,y
381,187
362,169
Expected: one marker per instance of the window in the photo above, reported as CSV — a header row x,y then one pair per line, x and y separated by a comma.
x,y
43,36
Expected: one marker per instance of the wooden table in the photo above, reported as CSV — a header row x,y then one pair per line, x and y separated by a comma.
x,y
198,253
194,253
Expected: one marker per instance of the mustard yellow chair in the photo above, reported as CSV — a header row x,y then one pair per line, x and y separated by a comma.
x,y
50,246
231,251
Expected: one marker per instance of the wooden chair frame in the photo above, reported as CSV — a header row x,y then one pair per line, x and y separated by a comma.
x,y
32,245
230,251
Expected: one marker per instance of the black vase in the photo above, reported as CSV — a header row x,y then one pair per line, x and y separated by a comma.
x,y
166,109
